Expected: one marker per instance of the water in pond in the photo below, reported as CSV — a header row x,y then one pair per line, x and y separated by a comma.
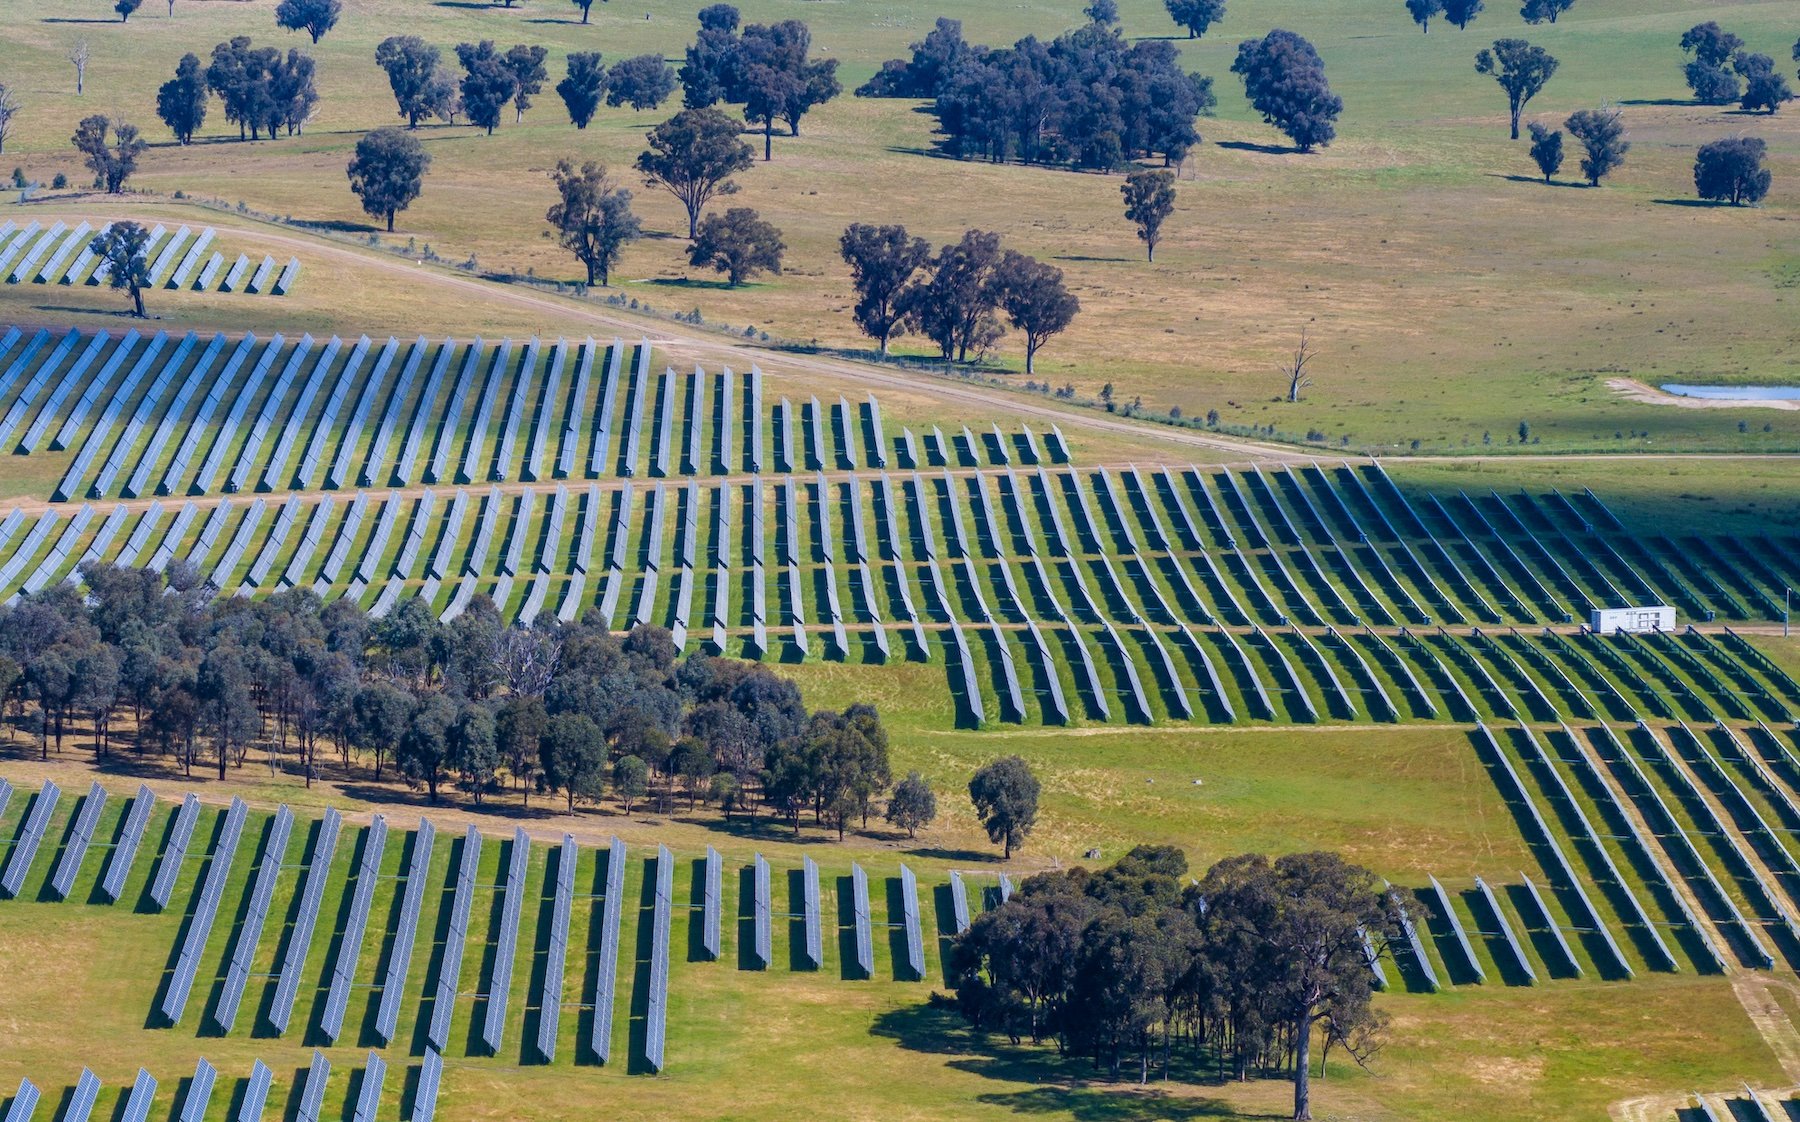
x,y
1735,393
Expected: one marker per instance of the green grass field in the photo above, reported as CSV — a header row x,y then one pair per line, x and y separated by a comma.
x,y
1449,297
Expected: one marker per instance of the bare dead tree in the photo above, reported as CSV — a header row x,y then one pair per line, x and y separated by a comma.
x,y
9,108
78,54
1294,369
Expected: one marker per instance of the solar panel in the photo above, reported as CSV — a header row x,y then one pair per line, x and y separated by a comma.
x,y
455,939
199,1092
556,956
350,945
727,390
909,912
431,1072
338,475
276,402
1006,888
1506,932
710,908
400,956
300,936
262,891
124,853
368,1097
256,1095
206,910
523,382
25,849
137,1103
312,1094
75,849
24,1103
859,905
657,1009
601,451
540,430
81,1103
959,902
764,908
815,936
610,918
569,442
500,981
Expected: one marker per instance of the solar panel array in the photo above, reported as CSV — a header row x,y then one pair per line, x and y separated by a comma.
x,y
312,1092
712,904
859,907
406,933
764,907
656,1016
815,937
300,936
25,847
909,918
343,971
59,255
499,989
605,987
206,910
249,936
80,837
175,852
556,956
455,939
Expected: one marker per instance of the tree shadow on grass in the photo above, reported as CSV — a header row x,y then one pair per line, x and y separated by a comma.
x,y
1265,149
1057,1085
702,285
1701,204
73,19
1538,180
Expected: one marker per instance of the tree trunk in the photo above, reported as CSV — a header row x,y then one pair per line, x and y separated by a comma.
x,y
768,140
1030,356
1302,1068
390,218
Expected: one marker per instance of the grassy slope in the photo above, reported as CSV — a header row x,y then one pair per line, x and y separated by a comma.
x,y
1405,247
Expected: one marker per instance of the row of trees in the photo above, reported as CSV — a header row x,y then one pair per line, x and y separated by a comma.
x,y
570,710
1720,70
956,296
315,17
1248,966
261,91
1463,12
1088,99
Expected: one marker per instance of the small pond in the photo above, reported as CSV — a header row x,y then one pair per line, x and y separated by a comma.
x,y
1735,393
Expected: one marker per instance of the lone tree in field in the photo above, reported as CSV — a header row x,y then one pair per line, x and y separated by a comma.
x,y
1284,79
1602,135
1005,794
181,101
1295,370
1765,88
582,87
584,5
693,156
1035,300
740,245
9,110
1196,16
315,17
913,804
78,57
1546,149
883,261
488,83
126,7
388,172
421,90
1462,12
1544,11
1709,73
642,82
1422,10
121,248
1103,12
1149,200
1731,170
114,161
1521,70
593,220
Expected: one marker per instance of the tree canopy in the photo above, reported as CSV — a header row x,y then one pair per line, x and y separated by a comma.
x,y
1602,136
592,217
181,101
1520,68
110,151
1731,170
388,172
262,91
315,17
693,156
421,88
122,248
883,261
739,244
1005,794
1708,72
1149,200
1284,79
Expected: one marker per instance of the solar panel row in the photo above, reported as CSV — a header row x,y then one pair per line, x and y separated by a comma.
x,y
604,986
406,933
76,847
343,971
249,935
206,910
764,909
125,851
657,1007
455,939
500,980
556,955
300,937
